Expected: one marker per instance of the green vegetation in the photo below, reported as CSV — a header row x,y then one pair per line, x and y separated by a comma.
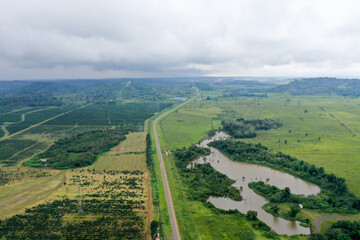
x,y
28,152
149,157
131,115
242,128
10,147
342,230
335,197
203,86
321,86
129,154
323,131
37,116
203,180
77,151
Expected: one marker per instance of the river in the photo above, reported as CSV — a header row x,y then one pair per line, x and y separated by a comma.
x,y
243,173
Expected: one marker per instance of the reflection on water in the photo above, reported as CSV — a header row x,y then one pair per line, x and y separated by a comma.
x,y
243,173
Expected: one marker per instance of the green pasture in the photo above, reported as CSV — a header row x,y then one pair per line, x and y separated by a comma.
x,y
313,134
311,127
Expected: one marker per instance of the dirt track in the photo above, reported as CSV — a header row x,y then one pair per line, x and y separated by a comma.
x,y
322,218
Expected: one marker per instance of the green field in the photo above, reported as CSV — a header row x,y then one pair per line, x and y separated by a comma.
x,y
338,149
313,127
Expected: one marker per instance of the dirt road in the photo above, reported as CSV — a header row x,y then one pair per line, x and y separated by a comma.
x,y
322,218
174,225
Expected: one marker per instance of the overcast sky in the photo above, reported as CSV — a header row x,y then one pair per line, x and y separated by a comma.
x,y
113,38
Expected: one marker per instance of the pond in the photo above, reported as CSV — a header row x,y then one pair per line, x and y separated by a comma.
x,y
243,173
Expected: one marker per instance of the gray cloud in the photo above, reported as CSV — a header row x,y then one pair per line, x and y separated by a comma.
x,y
115,38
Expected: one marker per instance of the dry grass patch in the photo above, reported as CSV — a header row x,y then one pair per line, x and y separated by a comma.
x,y
121,162
29,191
135,142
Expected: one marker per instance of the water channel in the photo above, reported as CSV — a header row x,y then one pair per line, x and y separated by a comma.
x,y
243,173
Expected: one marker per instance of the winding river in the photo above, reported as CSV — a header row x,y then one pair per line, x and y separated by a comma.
x,y
243,173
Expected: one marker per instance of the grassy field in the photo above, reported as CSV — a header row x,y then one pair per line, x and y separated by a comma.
x,y
27,190
128,155
337,149
182,128
311,128
122,162
313,134
134,143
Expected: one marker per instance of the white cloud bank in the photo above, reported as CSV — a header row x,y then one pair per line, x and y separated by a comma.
x,y
133,38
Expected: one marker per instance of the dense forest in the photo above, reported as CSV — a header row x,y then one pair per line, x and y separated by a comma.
x,y
334,197
77,151
242,128
321,86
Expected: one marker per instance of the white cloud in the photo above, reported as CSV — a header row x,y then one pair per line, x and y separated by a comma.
x,y
115,38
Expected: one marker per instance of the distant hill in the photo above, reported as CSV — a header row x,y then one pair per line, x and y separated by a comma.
x,y
46,93
321,86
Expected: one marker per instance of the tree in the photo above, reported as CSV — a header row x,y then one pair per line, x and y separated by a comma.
x,y
275,209
154,227
251,215
294,210
287,192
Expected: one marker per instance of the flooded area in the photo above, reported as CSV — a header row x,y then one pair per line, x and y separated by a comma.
x,y
243,173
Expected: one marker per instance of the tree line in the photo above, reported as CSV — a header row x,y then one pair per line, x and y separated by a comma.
x,y
241,128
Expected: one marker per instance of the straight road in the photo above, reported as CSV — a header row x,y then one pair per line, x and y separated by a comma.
x,y
174,225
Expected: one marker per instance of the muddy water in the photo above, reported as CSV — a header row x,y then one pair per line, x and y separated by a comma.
x,y
243,173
